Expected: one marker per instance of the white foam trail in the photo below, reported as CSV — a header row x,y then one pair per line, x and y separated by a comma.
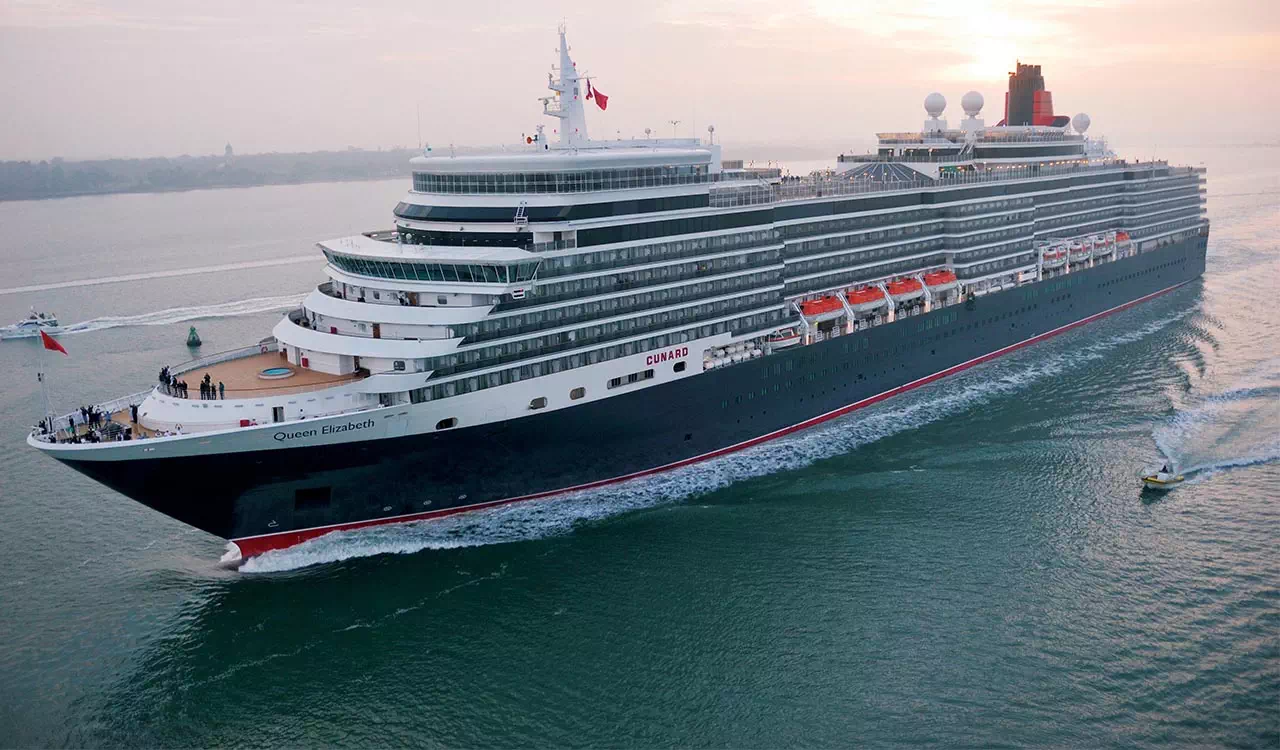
x,y
182,314
560,515
1234,428
162,274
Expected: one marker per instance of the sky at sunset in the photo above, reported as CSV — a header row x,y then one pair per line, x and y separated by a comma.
x,y
88,79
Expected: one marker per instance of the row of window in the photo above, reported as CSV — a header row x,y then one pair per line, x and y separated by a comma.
x,y
845,260
959,226
1076,207
1155,194
523,240
986,207
608,306
832,226
1154,229
985,238
982,269
1144,272
471,273
827,244
1172,206
467,214
561,182
736,326
633,378
526,348
970,256
639,278
636,231
1063,221
586,262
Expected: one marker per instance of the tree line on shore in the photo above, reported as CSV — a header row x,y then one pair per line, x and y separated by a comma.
x,y
56,178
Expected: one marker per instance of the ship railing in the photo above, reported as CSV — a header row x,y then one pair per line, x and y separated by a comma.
x,y
542,247
802,188
268,344
107,408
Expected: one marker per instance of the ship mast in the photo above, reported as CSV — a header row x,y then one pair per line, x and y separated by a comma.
x,y
567,103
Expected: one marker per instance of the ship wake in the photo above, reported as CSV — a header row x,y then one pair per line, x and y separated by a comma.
x,y
561,514
184,314
1234,428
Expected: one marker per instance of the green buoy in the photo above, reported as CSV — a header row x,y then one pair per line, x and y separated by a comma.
x,y
193,338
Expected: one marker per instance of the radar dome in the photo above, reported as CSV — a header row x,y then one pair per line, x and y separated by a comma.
x,y
1080,123
972,103
934,104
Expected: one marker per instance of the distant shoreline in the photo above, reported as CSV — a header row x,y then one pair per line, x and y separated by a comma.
x,y
195,188
57,178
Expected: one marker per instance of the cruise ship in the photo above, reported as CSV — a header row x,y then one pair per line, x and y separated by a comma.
x,y
564,313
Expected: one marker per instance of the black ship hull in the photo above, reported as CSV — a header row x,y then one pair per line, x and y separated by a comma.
x,y
275,499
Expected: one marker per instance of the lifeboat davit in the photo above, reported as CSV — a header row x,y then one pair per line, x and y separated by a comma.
x,y
862,300
904,290
940,281
825,308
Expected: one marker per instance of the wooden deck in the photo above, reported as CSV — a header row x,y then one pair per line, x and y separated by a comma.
x,y
241,377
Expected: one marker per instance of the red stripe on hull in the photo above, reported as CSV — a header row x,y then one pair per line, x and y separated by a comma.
x,y
256,545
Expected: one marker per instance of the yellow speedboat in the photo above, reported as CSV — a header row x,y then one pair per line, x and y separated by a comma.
x,y
1162,480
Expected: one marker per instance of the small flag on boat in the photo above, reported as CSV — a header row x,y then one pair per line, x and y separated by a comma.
x,y
50,343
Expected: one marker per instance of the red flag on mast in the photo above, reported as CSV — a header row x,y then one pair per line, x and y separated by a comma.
x,y
593,93
50,343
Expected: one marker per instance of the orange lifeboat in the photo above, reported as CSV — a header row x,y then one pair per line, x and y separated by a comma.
x,y
905,289
865,299
940,279
814,308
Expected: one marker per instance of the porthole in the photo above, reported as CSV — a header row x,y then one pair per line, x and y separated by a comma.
x,y
679,366
577,393
445,424
538,403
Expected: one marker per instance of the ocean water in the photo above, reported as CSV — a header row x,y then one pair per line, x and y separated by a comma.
x,y
971,564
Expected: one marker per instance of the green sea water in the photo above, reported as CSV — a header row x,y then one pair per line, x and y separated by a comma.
x,y
971,564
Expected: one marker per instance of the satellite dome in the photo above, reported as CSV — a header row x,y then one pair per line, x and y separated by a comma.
x,y
972,103
934,104
1080,123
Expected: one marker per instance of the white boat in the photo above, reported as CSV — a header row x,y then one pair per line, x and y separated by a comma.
x,y
785,337
31,326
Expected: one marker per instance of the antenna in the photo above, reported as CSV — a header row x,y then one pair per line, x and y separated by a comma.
x,y
711,134
419,105
674,123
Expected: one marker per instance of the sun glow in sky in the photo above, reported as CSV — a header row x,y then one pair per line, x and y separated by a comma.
x,y
90,78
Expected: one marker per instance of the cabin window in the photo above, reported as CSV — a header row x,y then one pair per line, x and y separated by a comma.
x,y
538,403
445,424
679,366
577,393
442,300
398,364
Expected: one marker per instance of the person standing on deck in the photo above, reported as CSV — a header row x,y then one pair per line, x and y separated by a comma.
x,y
222,391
